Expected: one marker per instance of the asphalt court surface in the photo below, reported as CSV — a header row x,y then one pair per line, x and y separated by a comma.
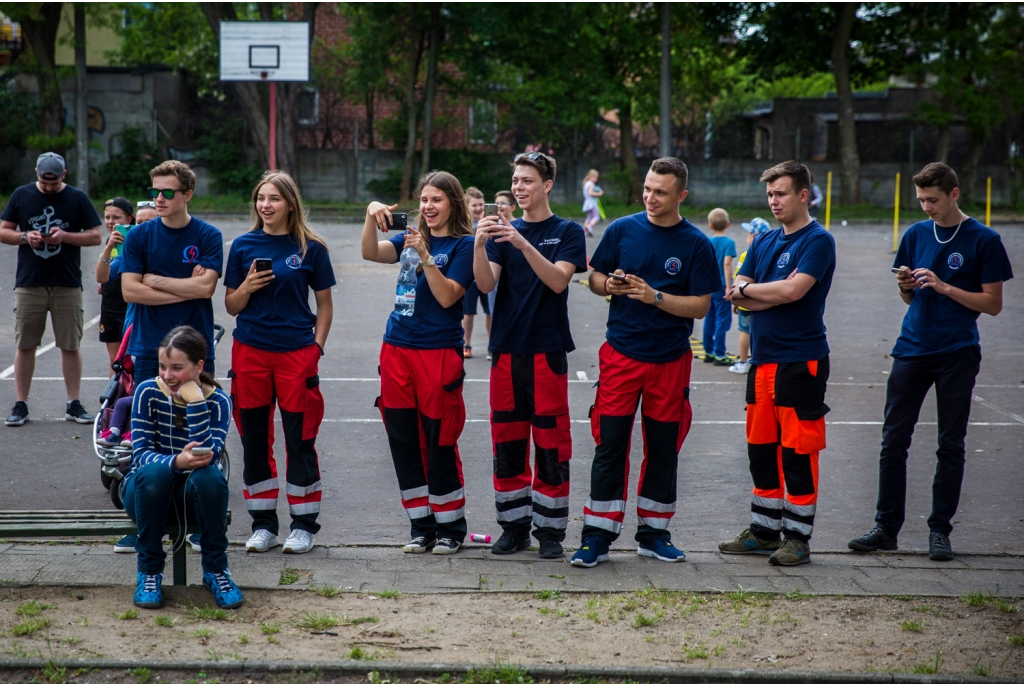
x,y
49,463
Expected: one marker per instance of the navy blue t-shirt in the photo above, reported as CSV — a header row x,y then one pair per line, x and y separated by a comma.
x,y
934,323
677,260
792,332
152,248
50,265
431,326
724,247
528,317
278,317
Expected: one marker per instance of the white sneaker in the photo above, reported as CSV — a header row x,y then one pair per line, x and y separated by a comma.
x,y
261,541
298,542
740,367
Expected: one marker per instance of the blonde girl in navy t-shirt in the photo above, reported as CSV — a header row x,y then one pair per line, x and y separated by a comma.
x,y
275,357
421,364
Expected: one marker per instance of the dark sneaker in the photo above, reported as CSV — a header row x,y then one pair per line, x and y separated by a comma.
x,y
748,543
592,552
418,545
709,358
77,413
19,415
194,542
225,592
551,549
148,593
447,546
126,545
791,553
511,542
939,548
874,540
661,549
725,360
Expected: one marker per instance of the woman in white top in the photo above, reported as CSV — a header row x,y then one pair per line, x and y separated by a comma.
x,y
591,191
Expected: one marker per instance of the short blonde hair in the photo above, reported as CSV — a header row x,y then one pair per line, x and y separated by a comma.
x,y
718,219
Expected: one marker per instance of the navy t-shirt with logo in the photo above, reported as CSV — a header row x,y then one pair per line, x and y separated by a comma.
x,y
795,331
934,323
528,317
152,248
677,260
278,317
431,326
50,265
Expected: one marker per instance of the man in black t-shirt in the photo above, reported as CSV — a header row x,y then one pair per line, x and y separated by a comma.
x,y
50,221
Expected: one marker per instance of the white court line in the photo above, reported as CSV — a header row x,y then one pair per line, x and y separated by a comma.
x,y
6,373
985,403
712,423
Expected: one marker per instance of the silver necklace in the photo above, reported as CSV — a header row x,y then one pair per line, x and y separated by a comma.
x,y
935,230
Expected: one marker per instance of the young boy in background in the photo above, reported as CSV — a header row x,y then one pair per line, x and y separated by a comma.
x,y
719,318
756,227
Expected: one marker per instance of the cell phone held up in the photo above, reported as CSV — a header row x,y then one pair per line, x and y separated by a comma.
x,y
264,265
399,221
490,210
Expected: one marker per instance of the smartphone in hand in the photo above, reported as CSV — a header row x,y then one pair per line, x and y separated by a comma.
x,y
490,210
264,265
617,277
202,451
399,221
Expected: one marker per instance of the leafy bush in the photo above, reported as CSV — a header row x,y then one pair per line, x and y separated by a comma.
x,y
223,151
471,167
127,172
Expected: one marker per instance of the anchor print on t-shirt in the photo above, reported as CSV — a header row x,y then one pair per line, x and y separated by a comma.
x,y
44,223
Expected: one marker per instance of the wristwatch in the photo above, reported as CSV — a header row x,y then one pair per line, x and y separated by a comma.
x,y
431,261
658,297
743,285
24,238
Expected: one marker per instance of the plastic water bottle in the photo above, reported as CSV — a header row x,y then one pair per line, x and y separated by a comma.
x,y
405,292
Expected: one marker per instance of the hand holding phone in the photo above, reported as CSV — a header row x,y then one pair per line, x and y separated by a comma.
x,y
202,451
618,277
399,221
264,265
490,210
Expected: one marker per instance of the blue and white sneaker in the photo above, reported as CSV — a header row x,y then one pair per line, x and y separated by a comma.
x,y
148,593
125,545
194,541
662,550
225,592
593,551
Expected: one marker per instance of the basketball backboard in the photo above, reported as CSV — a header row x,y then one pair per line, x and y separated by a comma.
x,y
264,51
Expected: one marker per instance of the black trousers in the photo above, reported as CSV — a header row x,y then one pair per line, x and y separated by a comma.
x,y
953,376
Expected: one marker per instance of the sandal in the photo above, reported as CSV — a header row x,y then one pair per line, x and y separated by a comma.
x,y
467,352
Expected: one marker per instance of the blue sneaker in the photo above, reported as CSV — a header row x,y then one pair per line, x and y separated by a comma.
x,y
662,550
225,592
126,545
148,593
592,552
194,540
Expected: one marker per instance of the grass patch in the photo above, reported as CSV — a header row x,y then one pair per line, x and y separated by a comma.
x,y
308,620
1016,640
163,621
357,654
904,598
129,615
543,610
757,599
389,594
202,633
30,626
982,671
1005,607
797,596
929,667
289,576
54,673
360,619
273,640
32,608
545,595
698,652
144,675
912,627
592,616
642,620
327,591
923,608
209,613
718,651
270,628
976,599
499,673
243,639
556,576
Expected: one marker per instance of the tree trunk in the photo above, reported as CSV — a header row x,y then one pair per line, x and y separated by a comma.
x,y
969,186
81,106
945,135
40,25
627,153
431,88
369,118
413,55
849,169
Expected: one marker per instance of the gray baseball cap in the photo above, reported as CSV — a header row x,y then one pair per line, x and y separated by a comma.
x,y
50,166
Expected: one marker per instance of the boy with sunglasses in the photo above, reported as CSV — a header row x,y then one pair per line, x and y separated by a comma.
x,y
170,270
530,261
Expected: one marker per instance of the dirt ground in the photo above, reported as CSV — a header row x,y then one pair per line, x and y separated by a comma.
x,y
974,635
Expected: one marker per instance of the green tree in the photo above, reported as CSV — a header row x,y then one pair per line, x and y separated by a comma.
x,y
40,23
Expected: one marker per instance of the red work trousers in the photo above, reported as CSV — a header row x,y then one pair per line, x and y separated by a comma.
x,y
424,414
530,395
666,415
785,432
259,380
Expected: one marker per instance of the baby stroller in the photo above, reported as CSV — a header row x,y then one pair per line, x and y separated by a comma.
x,y
115,459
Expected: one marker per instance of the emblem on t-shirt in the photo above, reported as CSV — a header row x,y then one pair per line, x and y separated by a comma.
x,y
783,260
190,255
440,259
294,262
44,223
672,266
955,261
550,241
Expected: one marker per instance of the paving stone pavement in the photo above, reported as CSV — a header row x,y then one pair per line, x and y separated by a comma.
x,y
366,568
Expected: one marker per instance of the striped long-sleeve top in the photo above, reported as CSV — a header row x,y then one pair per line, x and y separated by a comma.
x,y
161,427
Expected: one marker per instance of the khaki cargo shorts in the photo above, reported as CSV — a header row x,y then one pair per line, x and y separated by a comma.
x,y
31,304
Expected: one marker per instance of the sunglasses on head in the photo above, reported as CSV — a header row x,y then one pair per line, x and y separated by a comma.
x,y
146,203
168,193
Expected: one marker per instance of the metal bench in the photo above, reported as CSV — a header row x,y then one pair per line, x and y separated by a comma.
x,y
89,522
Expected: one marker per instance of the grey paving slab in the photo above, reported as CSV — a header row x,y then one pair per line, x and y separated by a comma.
x,y
921,561
442,581
501,583
907,586
85,569
993,562
829,585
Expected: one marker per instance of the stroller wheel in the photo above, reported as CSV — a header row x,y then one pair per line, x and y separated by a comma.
x,y
224,464
115,495
106,480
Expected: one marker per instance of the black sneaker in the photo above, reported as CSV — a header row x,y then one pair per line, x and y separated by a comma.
x,y
19,415
551,549
510,543
447,546
77,413
874,540
726,360
709,358
939,548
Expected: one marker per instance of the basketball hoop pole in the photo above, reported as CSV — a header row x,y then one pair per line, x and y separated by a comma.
x,y
273,125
